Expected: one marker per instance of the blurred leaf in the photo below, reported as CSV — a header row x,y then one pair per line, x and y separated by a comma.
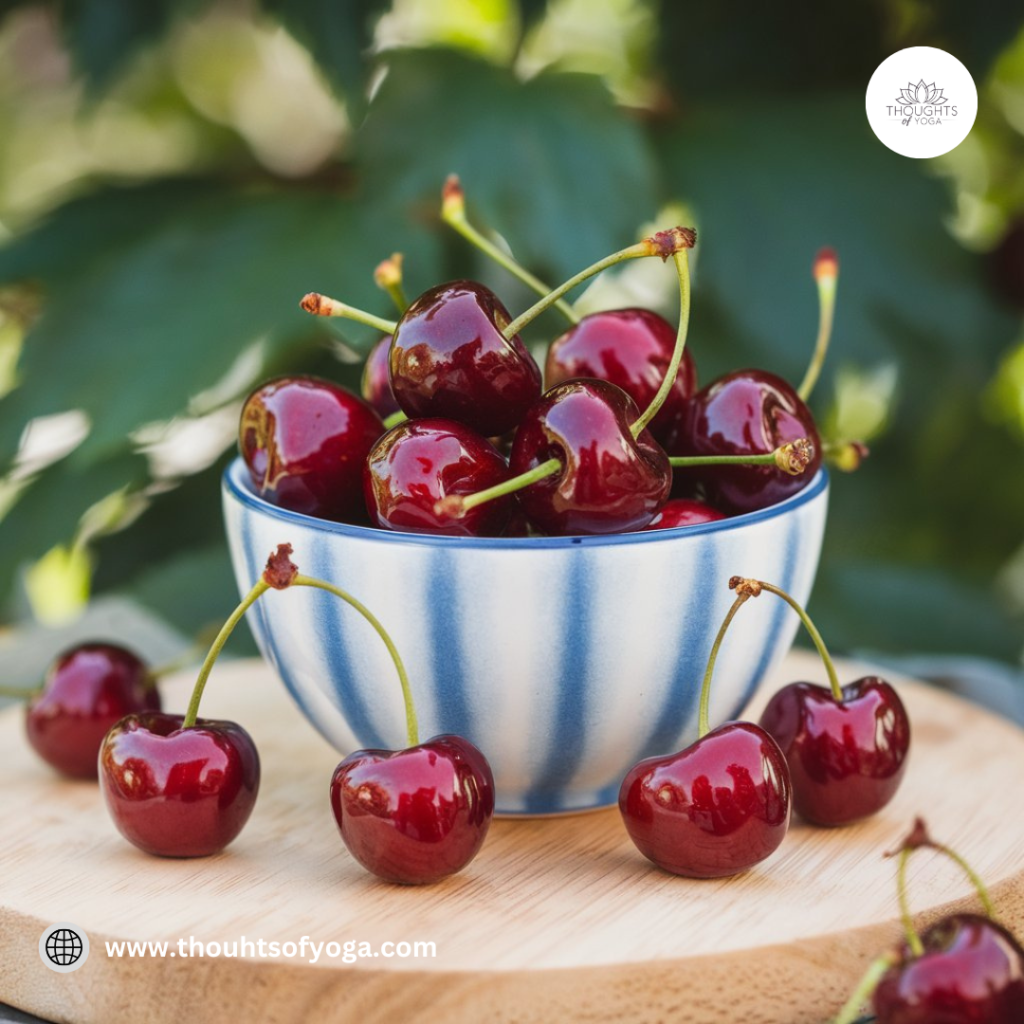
x,y
146,323
58,584
550,163
338,34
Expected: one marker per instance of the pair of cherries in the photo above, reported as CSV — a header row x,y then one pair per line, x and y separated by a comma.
x,y
963,968
584,458
182,786
723,804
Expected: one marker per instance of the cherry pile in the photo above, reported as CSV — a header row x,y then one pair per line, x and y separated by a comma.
x,y
457,431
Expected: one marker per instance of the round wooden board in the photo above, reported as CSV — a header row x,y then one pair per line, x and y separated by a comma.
x,y
556,920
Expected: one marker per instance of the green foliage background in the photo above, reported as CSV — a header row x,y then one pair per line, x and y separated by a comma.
x,y
174,176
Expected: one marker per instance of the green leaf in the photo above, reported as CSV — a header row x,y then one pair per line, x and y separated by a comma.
x,y
550,163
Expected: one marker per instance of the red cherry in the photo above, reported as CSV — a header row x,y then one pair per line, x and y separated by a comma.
x,y
178,792
846,758
972,969
609,481
87,690
631,348
417,815
716,808
419,463
305,441
376,384
450,359
683,512
748,412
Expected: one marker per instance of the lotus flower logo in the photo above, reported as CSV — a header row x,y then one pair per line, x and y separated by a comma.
x,y
921,93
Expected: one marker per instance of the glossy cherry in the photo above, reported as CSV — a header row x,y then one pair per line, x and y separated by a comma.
x,y
449,359
716,808
376,384
304,442
631,348
747,412
414,816
179,792
419,463
971,970
683,512
87,690
609,481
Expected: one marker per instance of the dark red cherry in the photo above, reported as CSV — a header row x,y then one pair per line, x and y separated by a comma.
x,y
846,760
716,808
178,792
376,384
631,348
609,482
449,359
748,412
683,512
87,690
416,815
305,442
971,972
420,462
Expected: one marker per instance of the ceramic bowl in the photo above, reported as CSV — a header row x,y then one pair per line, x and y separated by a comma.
x,y
565,659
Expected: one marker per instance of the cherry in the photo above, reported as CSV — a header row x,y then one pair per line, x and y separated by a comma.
x,y
174,791
416,465
683,512
304,441
87,689
716,808
414,816
747,412
751,411
631,348
964,968
846,746
376,384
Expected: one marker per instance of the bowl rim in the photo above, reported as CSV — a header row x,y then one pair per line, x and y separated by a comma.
x,y
236,484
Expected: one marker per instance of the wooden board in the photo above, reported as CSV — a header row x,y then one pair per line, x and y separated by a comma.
x,y
556,920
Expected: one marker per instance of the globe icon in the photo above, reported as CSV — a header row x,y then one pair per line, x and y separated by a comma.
x,y
64,947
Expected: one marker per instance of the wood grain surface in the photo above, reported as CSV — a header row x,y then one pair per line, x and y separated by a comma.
x,y
556,920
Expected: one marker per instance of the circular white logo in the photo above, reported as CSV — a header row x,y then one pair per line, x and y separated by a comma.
x,y
63,947
921,102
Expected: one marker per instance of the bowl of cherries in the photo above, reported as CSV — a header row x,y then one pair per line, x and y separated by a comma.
x,y
545,547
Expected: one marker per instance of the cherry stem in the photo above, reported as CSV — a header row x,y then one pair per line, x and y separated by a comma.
x,y
756,586
703,722
792,458
663,244
682,262
394,419
20,692
388,277
323,305
258,590
826,274
865,987
453,213
411,724
457,505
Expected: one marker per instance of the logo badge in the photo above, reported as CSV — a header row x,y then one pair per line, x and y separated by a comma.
x,y
63,947
921,102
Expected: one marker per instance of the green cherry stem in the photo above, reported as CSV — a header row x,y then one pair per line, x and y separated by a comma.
x,y
754,587
663,244
457,504
792,458
323,305
394,419
682,261
453,213
388,277
280,574
865,987
20,692
703,722
826,276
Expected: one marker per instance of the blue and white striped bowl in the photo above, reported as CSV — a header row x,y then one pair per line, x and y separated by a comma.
x,y
564,659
